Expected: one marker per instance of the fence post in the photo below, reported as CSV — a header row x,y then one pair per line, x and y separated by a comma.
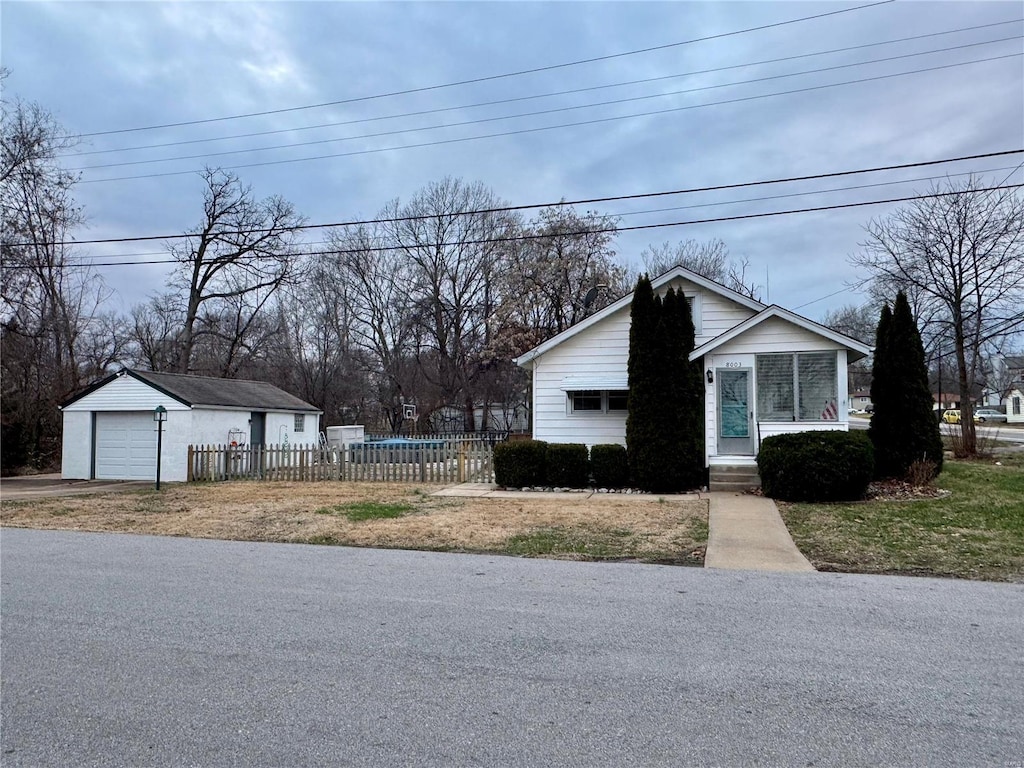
x,y
188,470
462,463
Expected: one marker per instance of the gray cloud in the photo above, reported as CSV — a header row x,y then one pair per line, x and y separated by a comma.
x,y
114,65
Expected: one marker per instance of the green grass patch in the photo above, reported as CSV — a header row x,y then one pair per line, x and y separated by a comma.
x,y
977,532
586,543
359,511
580,542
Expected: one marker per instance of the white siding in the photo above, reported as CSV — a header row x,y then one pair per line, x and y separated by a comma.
x,y
717,313
281,428
1011,417
212,426
777,335
76,448
177,437
772,336
602,351
125,393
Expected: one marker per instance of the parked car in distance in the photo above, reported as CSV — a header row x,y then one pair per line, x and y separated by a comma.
x,y
980,416
988,414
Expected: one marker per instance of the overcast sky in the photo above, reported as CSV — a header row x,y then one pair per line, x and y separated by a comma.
x,y
103,67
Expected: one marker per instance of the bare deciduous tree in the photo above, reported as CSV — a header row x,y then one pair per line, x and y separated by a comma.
x,y
53,335
710,259
858,322
240,254
546,277
960,252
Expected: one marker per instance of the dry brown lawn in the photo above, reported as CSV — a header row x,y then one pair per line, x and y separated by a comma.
x,y
599,527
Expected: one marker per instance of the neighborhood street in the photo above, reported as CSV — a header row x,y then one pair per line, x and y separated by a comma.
x,y
133,650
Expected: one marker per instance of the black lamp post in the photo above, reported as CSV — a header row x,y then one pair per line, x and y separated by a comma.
x,y
159,416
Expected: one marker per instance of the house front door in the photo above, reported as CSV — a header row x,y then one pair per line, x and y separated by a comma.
x,y
735,414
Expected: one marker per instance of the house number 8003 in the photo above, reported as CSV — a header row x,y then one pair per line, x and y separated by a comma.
x,y
733,365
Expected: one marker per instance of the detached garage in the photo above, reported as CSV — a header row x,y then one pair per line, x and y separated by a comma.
x,y
110,432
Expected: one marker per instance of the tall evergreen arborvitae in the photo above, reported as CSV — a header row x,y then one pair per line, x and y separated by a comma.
x,y
664,427
881,429
646,444
688,394
903,427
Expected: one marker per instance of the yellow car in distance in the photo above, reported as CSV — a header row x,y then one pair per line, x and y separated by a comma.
x,y
951,417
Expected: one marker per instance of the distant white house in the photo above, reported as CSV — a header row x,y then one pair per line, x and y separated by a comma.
x,y
110,432
767,371
1014,402
1012,372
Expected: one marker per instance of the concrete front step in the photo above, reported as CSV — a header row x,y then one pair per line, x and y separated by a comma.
x,y
733,478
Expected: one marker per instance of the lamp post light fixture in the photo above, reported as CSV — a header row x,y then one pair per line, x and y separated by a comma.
x,y
159,416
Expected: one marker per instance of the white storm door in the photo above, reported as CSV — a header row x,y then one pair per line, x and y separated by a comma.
x,y
735,414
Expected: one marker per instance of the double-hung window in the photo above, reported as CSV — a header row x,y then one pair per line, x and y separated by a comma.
x,y
300,422
797,386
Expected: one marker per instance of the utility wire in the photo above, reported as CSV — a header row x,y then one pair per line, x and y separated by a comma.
x,y
741,201
595,121
609,230
490,78
554,110
572,91
560,203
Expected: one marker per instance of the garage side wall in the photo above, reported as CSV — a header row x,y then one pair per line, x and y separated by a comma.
x,y
76,446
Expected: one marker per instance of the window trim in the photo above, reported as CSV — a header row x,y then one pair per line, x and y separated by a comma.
x,y
299,425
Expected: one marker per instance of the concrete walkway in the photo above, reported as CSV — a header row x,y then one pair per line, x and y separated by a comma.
x,y
744,532
747,533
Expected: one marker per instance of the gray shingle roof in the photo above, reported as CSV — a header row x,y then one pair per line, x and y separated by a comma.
x,y
230,393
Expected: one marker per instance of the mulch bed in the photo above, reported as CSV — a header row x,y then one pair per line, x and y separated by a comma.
x,y
901,490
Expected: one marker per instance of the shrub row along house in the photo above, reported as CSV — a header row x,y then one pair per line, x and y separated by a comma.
x,y
767,371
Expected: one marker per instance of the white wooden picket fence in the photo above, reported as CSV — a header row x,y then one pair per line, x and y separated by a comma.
x,y
434,461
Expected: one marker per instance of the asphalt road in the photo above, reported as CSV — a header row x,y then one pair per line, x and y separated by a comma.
x,y
998,432
131,650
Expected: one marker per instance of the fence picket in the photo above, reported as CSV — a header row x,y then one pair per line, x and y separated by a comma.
x,y
440,460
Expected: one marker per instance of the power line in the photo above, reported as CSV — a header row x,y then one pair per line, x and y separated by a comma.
x,y
694,206
554,110
490,78
550,94
594,121
639,227
560,203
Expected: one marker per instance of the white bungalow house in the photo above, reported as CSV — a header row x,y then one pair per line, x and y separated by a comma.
x,y
110,432
767,371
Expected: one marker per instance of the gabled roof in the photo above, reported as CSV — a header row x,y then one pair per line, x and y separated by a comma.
x,y
209,391
799,320
656,283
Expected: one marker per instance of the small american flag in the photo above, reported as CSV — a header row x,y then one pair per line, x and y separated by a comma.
x,y
831,413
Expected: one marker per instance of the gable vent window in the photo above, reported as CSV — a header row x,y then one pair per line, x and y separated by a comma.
x,y
300,422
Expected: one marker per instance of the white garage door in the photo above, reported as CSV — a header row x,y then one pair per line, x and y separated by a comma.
x,y
125,446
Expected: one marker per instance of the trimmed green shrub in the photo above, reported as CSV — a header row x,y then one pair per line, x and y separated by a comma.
x,y
568,465
610,465
816,466
520,463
